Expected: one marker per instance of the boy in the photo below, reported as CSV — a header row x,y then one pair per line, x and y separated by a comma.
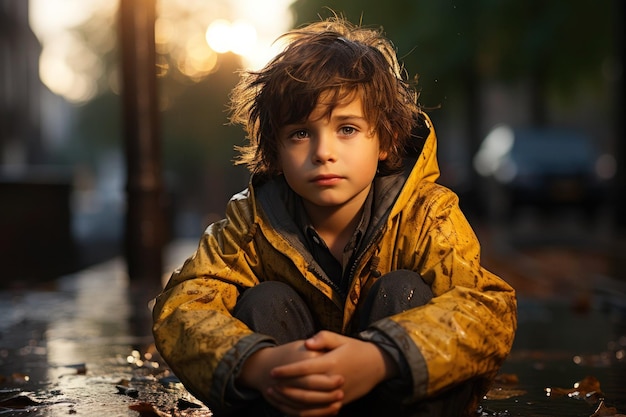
x,y
343,280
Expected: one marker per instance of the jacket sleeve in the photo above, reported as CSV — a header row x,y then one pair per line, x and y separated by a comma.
x,y
192,323
467,329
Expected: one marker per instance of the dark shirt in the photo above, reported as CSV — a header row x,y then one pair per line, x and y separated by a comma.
x,y
338,272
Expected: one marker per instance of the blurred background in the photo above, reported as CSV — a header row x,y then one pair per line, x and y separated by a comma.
x,y
526,97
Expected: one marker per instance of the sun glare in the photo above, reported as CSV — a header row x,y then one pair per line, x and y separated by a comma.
x,y
66,65
218,36
238,37
193,33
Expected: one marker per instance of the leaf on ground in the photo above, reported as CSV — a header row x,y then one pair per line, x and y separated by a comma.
x,y
504,388
148,410
18,401
501,393
184,409
506,379
124,382
127,390
604,411
586,389
183,404
81,368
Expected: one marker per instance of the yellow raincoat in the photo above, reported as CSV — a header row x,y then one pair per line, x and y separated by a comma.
x,y
466,330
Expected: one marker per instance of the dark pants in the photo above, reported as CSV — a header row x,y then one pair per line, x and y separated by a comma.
x,y
275,309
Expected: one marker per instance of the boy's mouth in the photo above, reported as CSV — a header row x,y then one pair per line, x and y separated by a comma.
x,y
328,179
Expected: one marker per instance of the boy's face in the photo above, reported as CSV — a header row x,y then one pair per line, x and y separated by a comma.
x,y
330,161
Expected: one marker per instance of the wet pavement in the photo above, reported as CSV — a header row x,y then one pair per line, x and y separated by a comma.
x,y
82,346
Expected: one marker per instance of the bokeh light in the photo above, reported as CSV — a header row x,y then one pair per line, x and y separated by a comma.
x,y
239,37
191,33
66,65
217,35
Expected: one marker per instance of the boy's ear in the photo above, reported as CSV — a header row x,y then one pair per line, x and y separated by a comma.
x,y
383,155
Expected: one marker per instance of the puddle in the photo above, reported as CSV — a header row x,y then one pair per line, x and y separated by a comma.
x,y
555,349
84,348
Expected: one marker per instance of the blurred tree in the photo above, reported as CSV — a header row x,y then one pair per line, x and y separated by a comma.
x,y
197,140
556,49
96,124
556,46
97,128
554,52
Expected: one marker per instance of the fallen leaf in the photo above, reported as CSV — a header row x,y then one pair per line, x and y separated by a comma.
x,y
586,389
126,390
503,388
124,382
588,384
148,410
506,379
604,411
183,404
501,393
18,401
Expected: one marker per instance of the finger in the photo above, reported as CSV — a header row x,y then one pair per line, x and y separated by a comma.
x,y
282,401
298,394
319,382
302,368
295,408
304,399
323,340
307,398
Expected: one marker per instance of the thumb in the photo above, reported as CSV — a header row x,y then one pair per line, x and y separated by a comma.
x,y
323,340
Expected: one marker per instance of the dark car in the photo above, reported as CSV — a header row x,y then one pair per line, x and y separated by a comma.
x,y
545,168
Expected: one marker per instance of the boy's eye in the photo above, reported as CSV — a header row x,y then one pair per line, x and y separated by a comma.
x,y
347,130
299,135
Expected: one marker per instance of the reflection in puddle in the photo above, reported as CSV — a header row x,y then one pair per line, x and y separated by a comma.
x,y
64,350
85,348
98,316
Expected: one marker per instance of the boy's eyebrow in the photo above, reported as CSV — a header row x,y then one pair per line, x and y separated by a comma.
x,y
336,117
349,116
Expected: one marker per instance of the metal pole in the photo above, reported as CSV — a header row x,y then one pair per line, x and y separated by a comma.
x,y
145,229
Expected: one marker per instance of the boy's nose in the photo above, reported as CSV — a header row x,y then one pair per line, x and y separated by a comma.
x,y
324,150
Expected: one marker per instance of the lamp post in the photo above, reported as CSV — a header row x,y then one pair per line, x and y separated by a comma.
x,y
145,228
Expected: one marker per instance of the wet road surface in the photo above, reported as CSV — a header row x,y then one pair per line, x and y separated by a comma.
x,y
82,346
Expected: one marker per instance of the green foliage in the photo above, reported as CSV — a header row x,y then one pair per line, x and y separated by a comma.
x,y
198,110
97,128
446,41
198,141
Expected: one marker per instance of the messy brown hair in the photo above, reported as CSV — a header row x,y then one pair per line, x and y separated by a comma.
x,y
332,57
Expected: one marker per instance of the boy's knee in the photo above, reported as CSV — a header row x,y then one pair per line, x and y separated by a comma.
x,y
266,291
393,293
405,285
275,309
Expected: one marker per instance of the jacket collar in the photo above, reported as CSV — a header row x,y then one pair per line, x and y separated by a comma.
x,y
274,196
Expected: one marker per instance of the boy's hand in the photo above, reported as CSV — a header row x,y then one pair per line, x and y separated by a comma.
x,y
319,394
361,365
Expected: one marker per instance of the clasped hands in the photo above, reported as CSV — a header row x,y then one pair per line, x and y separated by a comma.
x,y
316,376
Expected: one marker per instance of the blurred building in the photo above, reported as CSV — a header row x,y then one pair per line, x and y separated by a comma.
x,y
20,88
35,222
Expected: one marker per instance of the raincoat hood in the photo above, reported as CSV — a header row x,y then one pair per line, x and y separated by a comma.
x,y
421,154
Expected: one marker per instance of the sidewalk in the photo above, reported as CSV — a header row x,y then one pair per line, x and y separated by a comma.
x,y
83,346
572,316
